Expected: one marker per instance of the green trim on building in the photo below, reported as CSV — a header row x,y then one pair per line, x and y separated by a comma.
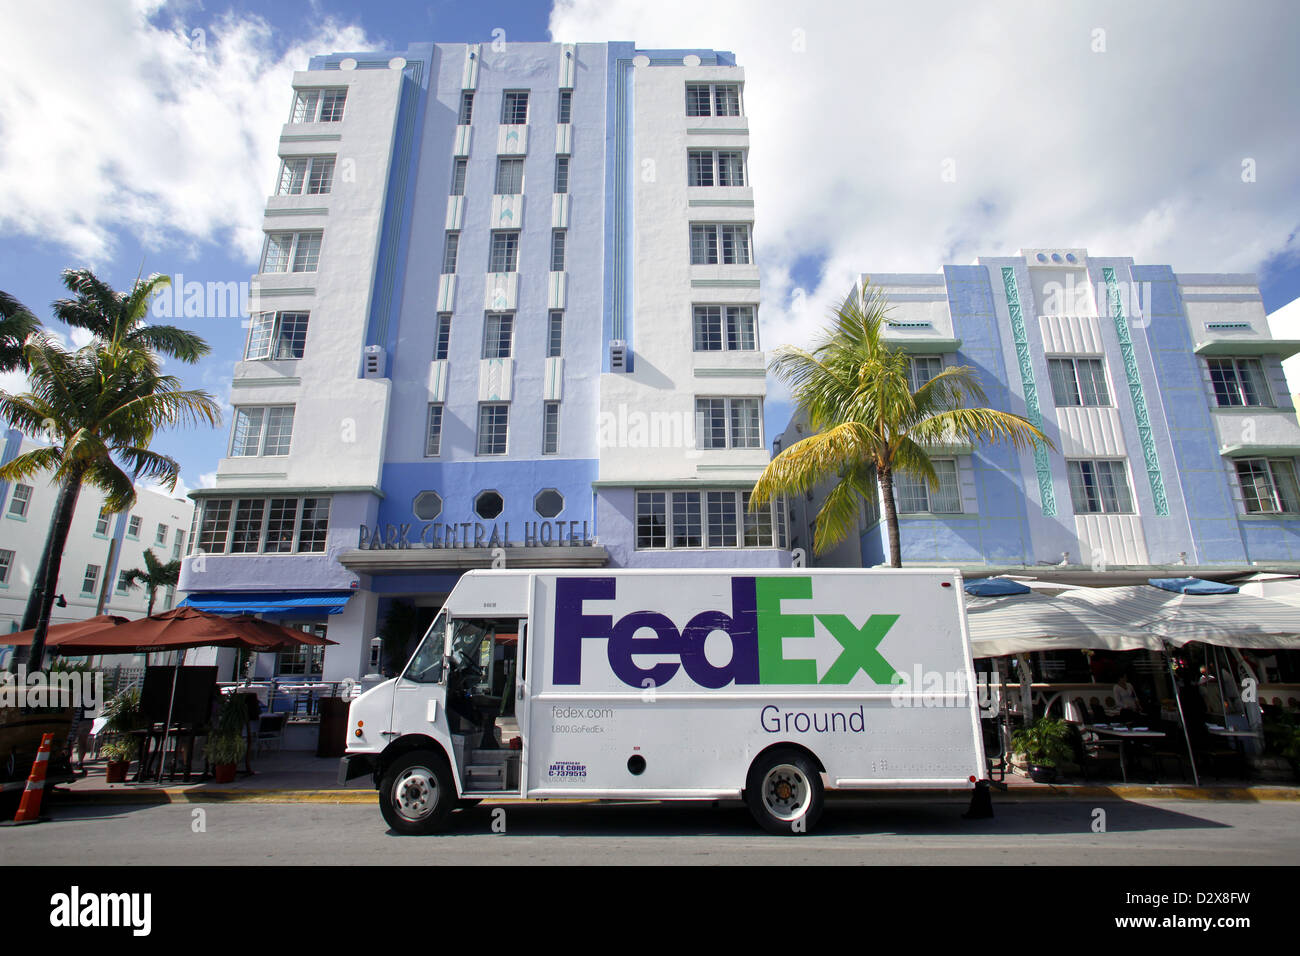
x,y
1042,464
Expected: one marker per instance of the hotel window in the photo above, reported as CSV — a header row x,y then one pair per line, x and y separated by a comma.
x,y
505,252
493,428
714,243
90,580
442,337
313,529
718,99
246,537
916,496
160,538
1100,486
433,433
1239,382
725,326
214,526
458,169
555,335
21,500
514,108
261,430
466,107
292,251
169,598
133,527
564,114
281,519
695,519
449,250
728,423
178,544
922,368
705,167
123,582
498,333
101,523
557,250
1268,485
6,565
306,175
319,106
265,525
561,174
276,335
510,175
1078,381
550,428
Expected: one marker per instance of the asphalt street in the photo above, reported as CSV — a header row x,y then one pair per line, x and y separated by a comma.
x,y
923,832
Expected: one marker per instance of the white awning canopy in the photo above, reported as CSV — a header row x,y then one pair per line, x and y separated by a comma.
x,y
1023,623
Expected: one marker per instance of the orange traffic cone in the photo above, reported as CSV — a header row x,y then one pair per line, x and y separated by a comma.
x,y
29,810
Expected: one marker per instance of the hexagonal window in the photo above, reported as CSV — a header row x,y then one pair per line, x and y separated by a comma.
x,y
489,505
427,505
548,503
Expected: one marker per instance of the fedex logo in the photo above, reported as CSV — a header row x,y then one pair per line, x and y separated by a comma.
x,y
756,625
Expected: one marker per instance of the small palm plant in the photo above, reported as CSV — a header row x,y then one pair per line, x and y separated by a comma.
x,y
154,575
1045,742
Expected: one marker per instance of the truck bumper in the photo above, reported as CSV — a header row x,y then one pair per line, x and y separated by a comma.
x,y
355,765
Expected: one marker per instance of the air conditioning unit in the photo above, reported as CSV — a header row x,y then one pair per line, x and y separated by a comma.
x,y
617,355
374,362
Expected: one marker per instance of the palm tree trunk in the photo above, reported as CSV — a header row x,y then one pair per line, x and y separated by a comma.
x,y
891,518
64,509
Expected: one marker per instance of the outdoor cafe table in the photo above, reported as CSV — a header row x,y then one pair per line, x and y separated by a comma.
x,y
1124,734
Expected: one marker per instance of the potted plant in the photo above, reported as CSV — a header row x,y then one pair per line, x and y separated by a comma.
x,y
1045,744
122,716
226,742
119,753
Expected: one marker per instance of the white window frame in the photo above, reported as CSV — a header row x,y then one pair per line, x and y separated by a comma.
x,y
272,338
914,380
1239,383
499,335
305,109
160,535
550,428
1277,505
304,249
450,251
7,559
510,240
713,157
133,525
262,426
465,114
559,242
217,530
555,333
1075,382
730,403
696,509
1114,466
433,430
708,240
730,327
22,496
916,487
713,99
484,409
316,177
512,187
442,336
509,116
90,579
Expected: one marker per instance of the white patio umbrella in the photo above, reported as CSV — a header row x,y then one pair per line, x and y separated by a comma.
x,y
1226,620
1025,623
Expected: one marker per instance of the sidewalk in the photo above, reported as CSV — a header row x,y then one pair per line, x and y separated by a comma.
x,y
294,777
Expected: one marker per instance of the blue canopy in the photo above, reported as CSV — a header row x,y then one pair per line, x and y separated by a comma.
x,y
269,602
995,587
1192,586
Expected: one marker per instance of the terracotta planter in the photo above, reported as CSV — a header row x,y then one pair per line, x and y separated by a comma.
x,y
116,771
224,772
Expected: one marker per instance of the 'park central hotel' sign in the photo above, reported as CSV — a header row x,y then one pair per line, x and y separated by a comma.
x,y
472,534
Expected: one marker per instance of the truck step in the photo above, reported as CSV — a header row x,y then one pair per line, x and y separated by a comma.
x,y
487,776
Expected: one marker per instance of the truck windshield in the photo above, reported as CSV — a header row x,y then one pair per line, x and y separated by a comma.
x,y
426,663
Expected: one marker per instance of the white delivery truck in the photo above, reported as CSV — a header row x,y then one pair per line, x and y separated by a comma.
x,y
769,685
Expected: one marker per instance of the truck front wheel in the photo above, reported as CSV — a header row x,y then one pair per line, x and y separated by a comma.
x,y
784,792
417,793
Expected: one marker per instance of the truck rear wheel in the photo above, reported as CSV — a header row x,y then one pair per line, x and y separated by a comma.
x,y
784,792
417,793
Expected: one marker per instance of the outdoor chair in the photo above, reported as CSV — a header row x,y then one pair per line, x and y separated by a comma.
x,y
270,731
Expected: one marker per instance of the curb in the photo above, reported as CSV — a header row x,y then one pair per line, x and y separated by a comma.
x,y
166,795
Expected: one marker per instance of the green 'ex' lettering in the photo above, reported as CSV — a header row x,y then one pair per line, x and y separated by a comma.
x,y
861,648
774,627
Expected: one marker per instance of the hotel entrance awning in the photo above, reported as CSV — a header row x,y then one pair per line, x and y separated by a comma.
x,y
269,602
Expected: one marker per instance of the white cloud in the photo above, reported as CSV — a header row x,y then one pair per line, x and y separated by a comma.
x,y
208,479
180,491
111,121
1285,324
1135,151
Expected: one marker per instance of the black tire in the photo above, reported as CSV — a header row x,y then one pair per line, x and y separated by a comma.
x,y
784,792
417,793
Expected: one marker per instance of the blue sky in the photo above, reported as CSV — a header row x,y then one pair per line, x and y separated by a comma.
x,y
1085,124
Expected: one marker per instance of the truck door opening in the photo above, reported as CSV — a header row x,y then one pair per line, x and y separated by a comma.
x,y
484,658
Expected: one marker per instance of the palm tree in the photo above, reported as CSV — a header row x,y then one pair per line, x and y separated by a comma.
x,y
99,405
154,575
16,324
868,424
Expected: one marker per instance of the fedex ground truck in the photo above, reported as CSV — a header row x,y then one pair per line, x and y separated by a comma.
x,y
772,686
